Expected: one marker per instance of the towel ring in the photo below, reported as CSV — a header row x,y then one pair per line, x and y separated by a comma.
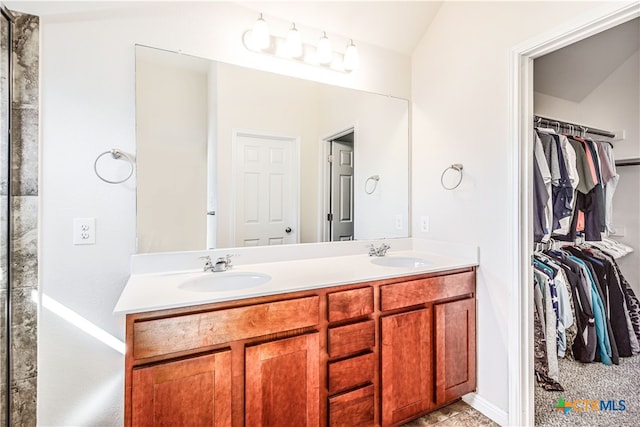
x,y
375,179
456,167
116,154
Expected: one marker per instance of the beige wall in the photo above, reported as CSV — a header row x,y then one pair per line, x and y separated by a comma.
x,y
171,136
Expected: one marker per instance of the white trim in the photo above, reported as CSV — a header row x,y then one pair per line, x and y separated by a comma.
x,y
520,349
295,140
487,408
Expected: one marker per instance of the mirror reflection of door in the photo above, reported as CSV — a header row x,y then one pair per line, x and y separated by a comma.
x,y
341,188
266,196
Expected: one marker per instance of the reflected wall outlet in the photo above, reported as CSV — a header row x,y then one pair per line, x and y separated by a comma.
x,y
84,231
399,224
424,224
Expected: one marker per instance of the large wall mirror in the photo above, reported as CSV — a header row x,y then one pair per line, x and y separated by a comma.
x,y
229,156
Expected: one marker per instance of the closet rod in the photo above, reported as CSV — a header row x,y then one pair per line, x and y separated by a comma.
x,y
566,125
628,162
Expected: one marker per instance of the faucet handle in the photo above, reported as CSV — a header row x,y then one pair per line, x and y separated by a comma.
x,y
227,258
372,250
208,265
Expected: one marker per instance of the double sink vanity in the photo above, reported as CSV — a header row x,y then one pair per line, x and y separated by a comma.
x,y
315,334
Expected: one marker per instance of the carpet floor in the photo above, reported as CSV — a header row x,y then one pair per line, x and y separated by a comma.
x,y
595,382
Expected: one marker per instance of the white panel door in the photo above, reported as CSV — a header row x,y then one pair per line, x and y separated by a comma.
x,y
341,191
266,199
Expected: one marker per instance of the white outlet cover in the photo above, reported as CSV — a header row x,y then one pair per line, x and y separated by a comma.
x,y
84,231
424,224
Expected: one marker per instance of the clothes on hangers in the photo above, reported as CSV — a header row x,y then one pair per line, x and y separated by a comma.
x,y
611,183
589,295
574,182
540,355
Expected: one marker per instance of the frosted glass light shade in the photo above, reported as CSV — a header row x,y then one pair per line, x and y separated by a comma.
x,y
324,51
294,43
260,37
351,59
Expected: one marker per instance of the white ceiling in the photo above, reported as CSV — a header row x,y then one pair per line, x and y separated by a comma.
x,y
399,26
393,25
573,72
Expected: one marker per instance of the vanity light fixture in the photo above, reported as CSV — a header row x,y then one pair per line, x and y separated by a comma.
x,y
351,59
324,52
294,42
260,37
291,47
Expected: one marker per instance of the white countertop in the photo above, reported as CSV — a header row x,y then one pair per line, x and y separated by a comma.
x,y
152,286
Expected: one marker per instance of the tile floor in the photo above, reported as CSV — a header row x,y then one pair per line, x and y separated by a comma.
x,y
458,414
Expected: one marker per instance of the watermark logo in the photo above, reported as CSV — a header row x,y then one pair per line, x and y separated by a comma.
x,y
588,405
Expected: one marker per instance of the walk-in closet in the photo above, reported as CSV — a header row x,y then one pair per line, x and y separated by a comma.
x,y
586,216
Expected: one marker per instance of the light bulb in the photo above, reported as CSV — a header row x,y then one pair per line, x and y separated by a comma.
x,y
294,42
260,37
324,51
351,58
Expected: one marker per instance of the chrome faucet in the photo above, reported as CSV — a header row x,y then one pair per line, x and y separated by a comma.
x,y
380,251
221,264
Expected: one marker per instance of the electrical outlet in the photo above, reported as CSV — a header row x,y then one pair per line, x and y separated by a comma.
x,y
424,224
84,231
399,224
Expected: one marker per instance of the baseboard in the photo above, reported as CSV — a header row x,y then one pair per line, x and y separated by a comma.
x,y
487,408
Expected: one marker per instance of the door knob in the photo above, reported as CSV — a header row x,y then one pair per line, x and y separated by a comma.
x,y
288,229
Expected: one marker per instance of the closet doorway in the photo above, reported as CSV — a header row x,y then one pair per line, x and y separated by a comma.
x,y
521,357
590,92
339,186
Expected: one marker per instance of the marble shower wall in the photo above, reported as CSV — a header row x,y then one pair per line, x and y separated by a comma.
x,y
4,130
25,220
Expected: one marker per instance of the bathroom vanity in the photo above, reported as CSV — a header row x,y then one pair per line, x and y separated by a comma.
x,y
378,351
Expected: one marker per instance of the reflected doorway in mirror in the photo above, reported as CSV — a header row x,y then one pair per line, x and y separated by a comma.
x,y
265,193
340,190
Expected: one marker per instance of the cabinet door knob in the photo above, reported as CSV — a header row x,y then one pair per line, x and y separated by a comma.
x,y
288,229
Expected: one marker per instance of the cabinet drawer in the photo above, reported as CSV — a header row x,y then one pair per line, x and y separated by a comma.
x,y
353,409
348,339
349,304
192,331
351,372
426,290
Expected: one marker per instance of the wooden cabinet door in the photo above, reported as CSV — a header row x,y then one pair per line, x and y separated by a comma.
x,y
407,376
455,349
190,392
282,382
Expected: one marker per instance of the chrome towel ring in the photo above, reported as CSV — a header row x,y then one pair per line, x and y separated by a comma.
x,y
375,179
455,167
117,155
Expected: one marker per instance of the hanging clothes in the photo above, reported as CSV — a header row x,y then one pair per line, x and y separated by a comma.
x,y
595,312
584,343
588,294
574,183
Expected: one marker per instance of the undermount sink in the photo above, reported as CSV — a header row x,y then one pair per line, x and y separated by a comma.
x,y
400,261
225,281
